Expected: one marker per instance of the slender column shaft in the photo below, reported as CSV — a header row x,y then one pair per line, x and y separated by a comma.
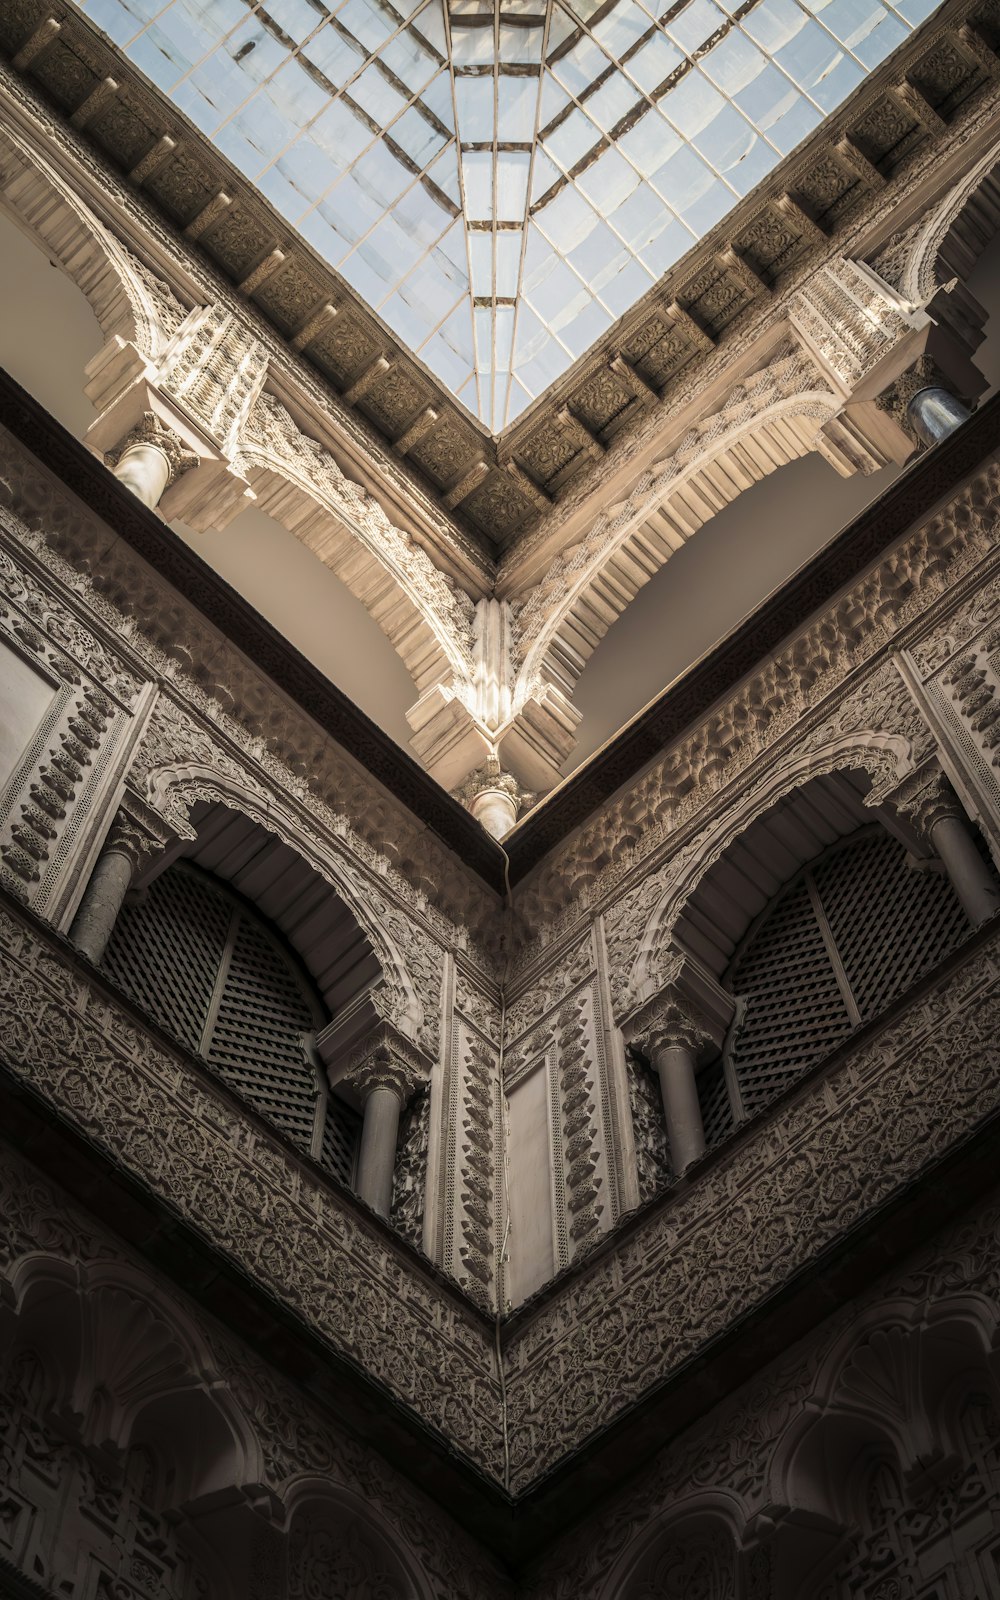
x,y
675,1066
145,469
971,878
377,1160
98,911
935,413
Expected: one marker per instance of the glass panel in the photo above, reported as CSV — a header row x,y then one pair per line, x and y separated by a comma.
x,y
508,107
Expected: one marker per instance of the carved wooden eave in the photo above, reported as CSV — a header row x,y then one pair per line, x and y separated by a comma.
x,y
399,431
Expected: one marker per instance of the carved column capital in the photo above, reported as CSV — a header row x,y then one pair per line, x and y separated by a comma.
x,y
689,1009
494,797
669,1021
895,400
925,798
151,430
138,832
384,1059
386,1063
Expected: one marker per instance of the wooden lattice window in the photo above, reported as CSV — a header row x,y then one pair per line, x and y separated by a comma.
x,y
842,939
203,964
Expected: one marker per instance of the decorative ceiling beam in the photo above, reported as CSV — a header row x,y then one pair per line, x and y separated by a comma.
x,y
208,214
93,103
736,266
466,484
979,46
800,218
633,381
36,42
855,157
361,385
692,329
578,430
917,102
419,428
162,150
260,274
314,325
533,491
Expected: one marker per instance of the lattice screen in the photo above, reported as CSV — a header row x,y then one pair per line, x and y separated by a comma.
x,y
203,965
716,1107
840,943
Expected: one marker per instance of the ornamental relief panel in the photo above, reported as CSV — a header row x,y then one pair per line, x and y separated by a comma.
x,y
178,1135
750,1226
315,1474
758,717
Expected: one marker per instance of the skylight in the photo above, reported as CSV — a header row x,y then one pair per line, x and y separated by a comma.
x,y
501,179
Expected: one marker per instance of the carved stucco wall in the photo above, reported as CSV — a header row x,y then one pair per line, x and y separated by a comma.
x,y
783,1483
897,669
266,1492
137,688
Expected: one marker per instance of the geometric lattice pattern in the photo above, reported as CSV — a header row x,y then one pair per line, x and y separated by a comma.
x,y
795,1011
204,966
716,1107
848,935
887,936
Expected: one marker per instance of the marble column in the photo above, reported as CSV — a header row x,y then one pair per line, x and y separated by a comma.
x,y
384,1080
931,804
934,413
674,1054
132,838
149,459
494,797
972,879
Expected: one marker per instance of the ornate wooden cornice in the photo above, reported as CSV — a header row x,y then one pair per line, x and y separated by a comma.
x,y
552,456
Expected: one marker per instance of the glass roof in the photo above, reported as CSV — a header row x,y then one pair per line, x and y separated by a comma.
x,y
501,179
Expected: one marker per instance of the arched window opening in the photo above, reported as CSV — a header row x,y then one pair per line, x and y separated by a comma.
x,y
203,963
849,933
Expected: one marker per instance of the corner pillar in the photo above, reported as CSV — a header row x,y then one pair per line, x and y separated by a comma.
x,y
934,413
136,834
494,797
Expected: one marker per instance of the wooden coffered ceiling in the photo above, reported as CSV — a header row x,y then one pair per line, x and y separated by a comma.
x,y
556,453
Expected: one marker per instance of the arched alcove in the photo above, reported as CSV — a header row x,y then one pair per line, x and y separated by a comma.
x,y
711,583
121,1436
244,953
338,1545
